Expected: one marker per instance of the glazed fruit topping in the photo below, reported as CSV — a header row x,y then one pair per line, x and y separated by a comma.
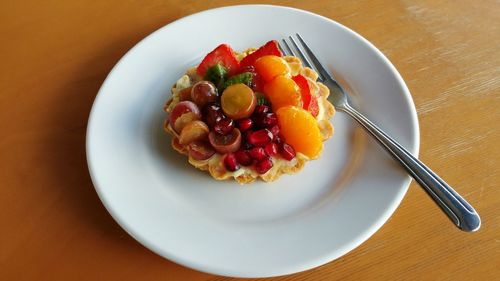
x,y
283,91
310,102
203,93
275,130
238,101
245,124
224,126
259,138
256,97
300,130
212,113
231,163
185,94
269,67
193,131
258,153
262,109
243,157
266,120
225,143
200,150
270,48
271,149
222,55
287,151
182,114
264,165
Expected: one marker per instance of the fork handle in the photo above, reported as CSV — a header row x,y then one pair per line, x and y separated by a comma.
x,y
461,213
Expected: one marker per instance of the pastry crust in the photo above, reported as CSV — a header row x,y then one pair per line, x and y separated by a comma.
x,y
215,164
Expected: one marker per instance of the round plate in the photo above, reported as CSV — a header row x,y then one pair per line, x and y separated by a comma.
x,y
261,229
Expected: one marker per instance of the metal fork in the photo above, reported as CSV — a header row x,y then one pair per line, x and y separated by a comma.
x,y
461,213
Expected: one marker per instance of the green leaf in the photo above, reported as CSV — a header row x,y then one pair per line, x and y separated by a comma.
x,y
262,99
216,74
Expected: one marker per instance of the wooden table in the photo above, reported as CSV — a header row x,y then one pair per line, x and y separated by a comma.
x,y
55,55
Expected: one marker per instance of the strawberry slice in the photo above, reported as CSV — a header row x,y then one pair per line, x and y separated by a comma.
x,y
270,48
309,101
223,55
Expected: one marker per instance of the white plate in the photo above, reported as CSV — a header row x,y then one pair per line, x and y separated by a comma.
x,y
296,223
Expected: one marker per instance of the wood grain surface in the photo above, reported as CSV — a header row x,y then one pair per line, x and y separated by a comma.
x,y
54,55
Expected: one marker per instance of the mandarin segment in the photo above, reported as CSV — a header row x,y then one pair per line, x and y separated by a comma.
x,y
300,130
283,91
269,67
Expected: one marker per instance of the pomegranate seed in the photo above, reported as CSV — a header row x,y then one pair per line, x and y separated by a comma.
x,y
245,124
243,157
224,126
260,137
275,130
212,114
258,153
271,149
259,109
264,165
287,151
269,119
231,163
265,120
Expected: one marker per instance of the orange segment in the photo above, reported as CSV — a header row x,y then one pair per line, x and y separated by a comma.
x,y
300,130
283,91
269,67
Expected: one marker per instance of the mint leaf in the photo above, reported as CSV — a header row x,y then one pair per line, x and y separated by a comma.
x,y
216,74
262,99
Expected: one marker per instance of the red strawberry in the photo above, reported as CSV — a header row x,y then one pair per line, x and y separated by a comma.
x,y
310,103
224,55
270,48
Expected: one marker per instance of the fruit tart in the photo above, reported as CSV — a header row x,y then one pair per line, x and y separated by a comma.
x,y
250,115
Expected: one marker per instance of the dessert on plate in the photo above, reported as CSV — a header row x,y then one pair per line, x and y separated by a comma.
x,y
250,115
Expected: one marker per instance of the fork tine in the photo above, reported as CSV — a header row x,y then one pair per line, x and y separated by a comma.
x,y
319,67
280,46
287,50
303,57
